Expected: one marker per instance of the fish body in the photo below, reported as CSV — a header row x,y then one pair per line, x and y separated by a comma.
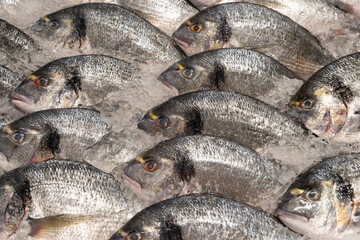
x,y
108,27
203,164
267,31
323,201
8,81
202,216
74,81
241,70
327,103
243,119
62,133
61,199
164,14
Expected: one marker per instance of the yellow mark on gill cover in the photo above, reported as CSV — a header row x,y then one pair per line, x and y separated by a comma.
x,y
139,159
326,183
152,115
165,160
67,20
318,92
296,191
8,187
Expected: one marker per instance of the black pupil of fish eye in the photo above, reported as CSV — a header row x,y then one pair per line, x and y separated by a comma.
x,y
43,81
150,165
307,103
188,72
134,237
312,194
196,28
163,121
53,24
18,136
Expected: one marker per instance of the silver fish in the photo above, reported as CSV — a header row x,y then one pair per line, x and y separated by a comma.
x,y
247,26
108,27
323,201
202,216
74,81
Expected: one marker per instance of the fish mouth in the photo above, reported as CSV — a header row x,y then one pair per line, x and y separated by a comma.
x,y
136,188
333,125
295,222
23,103
131,182
184,45
168,86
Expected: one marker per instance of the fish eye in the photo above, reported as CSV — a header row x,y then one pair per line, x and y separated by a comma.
x,y
42,82
53,25
18,137
188,73
162,122
150,165
196,28
312,194
307,103
134,236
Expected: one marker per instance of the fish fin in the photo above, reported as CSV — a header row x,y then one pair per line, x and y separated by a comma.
x,y
217,77
195,124
184,167
48,227
343,203
170,231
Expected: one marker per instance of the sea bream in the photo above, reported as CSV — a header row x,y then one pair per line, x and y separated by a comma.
x,y
323,202
62,133
253,27
328,103
195,164
59,199
202,216
110,28
241,70
74,81
243,119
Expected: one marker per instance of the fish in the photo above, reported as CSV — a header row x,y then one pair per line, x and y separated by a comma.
x,y
59,199
202,216
107,27
327,103
165,14
75,81
323,201
14,43
243,119
200,163
61,133
241,70
246,25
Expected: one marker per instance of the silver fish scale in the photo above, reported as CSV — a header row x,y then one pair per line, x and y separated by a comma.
x,y
8,81
134,35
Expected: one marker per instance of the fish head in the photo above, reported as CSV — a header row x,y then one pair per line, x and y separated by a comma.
x,y
185,76
167,119
317,204
321,108
26,140
12,207
207,30
52,86
155,175
57,27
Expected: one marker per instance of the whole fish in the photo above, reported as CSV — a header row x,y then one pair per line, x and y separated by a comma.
x,y
13,42
241,70
202,216
248,26
74,81
203,164
107,27
59,199
328,103
323,201
244,119
166,15
60,133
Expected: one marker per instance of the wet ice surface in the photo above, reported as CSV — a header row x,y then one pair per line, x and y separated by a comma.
x,y
123,109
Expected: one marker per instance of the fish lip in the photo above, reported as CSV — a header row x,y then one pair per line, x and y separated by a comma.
x,y
168,86
181,43
22,102
133,184
286,215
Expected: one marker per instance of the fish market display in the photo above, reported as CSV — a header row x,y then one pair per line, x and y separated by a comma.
x,y
60,133
166,15
201,164
245,71
241,118
248,26
328,103
108,27
202,216
323,201
74,81
59,199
